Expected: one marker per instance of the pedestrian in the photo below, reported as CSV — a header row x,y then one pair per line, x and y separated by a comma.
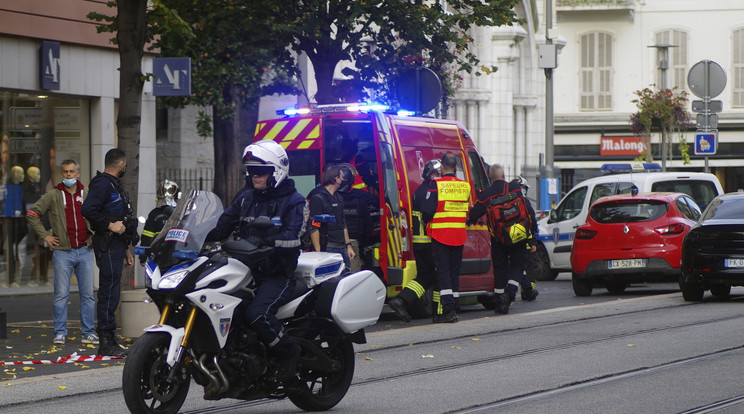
x,y
426,276
327,200
445,210
70,241
508,259
109,212
527,287
166,202
269,193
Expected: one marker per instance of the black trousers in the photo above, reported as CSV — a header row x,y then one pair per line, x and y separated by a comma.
x,y
447,260
110,265
426,274
508,265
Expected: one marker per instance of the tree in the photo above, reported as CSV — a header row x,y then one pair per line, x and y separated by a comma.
x,y
383,37
663,111
237,57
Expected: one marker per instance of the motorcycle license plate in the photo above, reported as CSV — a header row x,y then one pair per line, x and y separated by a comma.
x,y
626,263
733,263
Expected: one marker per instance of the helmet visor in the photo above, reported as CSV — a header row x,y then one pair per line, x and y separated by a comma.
x,y
259,170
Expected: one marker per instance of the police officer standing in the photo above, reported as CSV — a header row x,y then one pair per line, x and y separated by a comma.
x,y
508,260
426,275
269,193
446,209
109,212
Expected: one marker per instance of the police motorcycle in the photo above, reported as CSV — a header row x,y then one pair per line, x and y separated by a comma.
x,y
201,334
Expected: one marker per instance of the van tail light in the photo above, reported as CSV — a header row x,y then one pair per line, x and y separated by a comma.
x,y
670,230
585,234
404,238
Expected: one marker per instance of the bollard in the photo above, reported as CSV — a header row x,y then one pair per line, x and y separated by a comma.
x,y
3,325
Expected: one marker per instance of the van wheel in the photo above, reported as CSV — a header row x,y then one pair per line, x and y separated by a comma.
x,y
581,287
538,267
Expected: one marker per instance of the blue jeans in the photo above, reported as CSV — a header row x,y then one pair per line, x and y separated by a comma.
x,y
344,253
65,261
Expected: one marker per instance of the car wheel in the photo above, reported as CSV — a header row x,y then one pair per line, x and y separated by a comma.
x,y
616,287
538,267
581,287
720,291
691,292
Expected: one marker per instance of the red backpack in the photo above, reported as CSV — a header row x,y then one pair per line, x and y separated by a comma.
x,y
508,218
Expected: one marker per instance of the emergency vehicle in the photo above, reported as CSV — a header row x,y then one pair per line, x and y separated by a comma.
x,y
393,149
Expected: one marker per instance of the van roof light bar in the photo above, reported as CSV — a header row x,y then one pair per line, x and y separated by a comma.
x,y
333,108
622,168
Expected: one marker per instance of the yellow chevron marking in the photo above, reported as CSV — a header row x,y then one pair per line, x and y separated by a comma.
x,y
305,144
292,134
275,130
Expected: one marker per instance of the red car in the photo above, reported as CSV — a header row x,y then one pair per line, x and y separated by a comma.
x,y
631,238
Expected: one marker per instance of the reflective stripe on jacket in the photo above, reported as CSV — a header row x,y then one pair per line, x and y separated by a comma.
x,y
448,224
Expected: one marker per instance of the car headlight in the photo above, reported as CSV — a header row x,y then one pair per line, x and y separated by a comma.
x,y
172,280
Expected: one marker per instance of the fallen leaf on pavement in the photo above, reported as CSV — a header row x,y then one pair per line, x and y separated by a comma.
x,y
367,358
427,356
28,368
456,347
476,339
62,387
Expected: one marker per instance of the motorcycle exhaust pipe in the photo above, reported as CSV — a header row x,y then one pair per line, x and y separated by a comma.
x,y
216,385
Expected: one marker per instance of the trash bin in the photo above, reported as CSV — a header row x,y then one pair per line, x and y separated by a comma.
x,y
135,313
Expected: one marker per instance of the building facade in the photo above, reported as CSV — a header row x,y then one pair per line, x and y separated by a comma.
x,y
59,85
613,49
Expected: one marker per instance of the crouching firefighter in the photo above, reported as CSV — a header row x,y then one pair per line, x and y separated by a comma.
x,y
426,276
269,193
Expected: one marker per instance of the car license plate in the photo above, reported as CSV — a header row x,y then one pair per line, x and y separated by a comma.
x,y
733,263
626,263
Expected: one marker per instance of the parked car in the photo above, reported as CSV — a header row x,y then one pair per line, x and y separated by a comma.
x,y
713,250
556,232
631,238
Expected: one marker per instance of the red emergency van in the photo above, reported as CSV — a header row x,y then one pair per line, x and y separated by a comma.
x,y
393,150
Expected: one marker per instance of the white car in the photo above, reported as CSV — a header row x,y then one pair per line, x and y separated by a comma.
x,y
556,231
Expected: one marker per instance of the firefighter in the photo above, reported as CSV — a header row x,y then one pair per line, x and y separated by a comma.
x,y
527,287
426,276
167,197
445,210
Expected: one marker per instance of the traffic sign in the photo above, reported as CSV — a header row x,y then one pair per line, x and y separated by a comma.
x,y
705,143
706,79
707,121
713,106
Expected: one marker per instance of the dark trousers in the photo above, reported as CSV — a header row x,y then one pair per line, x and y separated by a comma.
x,y
426,274
110,265
447,260
508,265
272,293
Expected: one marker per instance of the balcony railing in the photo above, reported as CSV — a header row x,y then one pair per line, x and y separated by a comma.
x,y
595,4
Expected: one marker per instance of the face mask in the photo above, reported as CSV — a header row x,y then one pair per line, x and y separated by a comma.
x,y
121,174
69,182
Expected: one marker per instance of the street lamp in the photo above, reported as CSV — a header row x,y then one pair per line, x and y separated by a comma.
x,y
662,54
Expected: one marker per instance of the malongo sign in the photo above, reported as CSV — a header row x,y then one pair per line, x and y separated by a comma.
x,y
630,145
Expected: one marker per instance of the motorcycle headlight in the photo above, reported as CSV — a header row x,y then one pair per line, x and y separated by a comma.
x,y
172,280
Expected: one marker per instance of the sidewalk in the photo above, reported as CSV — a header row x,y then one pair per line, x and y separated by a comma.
x,y
30,331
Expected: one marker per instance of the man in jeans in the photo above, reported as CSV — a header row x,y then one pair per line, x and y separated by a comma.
x,y
70,241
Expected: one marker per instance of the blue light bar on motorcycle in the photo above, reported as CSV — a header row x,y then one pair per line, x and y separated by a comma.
x,y
185,254
621,168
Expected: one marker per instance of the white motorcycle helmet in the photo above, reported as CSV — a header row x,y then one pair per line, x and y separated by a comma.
x,y
266,156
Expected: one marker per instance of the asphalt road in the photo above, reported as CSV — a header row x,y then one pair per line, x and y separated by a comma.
x,y
644,351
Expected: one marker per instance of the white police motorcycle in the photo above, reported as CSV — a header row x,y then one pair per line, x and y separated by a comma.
x,y
201,334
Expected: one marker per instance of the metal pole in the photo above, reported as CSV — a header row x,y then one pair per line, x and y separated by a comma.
x,y
549,150
663,65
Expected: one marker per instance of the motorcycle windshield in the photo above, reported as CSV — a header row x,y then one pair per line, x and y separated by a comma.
x,y
184,233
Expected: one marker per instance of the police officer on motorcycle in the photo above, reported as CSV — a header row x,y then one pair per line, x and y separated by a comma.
x,y
269,193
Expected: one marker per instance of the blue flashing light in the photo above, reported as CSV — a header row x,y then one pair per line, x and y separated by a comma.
x,y
621,168
324,218
293,111
404,112
366,108
185,254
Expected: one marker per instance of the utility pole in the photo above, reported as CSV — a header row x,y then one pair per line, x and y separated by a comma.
x,y
662,53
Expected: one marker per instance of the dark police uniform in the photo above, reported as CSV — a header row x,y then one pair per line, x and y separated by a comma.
x,y
107,202
154,223
287,209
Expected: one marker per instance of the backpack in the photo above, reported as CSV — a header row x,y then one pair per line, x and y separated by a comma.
x,y
508,218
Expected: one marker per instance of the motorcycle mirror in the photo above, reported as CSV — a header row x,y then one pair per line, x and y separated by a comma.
x,y
141,219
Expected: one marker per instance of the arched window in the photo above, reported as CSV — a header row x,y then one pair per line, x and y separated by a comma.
x,y
677,70
596,71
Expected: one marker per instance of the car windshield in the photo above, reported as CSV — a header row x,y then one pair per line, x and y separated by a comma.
x,y
628,211
725,209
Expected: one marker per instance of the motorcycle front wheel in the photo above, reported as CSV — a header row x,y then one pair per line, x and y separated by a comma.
x,y
145,381
321,391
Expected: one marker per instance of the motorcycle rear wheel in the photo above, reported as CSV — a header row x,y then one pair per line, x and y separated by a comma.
x,y
322,391
146,389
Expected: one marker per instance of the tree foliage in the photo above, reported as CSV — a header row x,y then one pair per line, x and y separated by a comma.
x,y
662,111
383,37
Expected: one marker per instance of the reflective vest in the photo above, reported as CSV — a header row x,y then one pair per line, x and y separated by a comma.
x,y
418,229
359,183
448,224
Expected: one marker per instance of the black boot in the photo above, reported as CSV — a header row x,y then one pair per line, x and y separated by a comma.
x,y
503,301
108,346
286,367
398,305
